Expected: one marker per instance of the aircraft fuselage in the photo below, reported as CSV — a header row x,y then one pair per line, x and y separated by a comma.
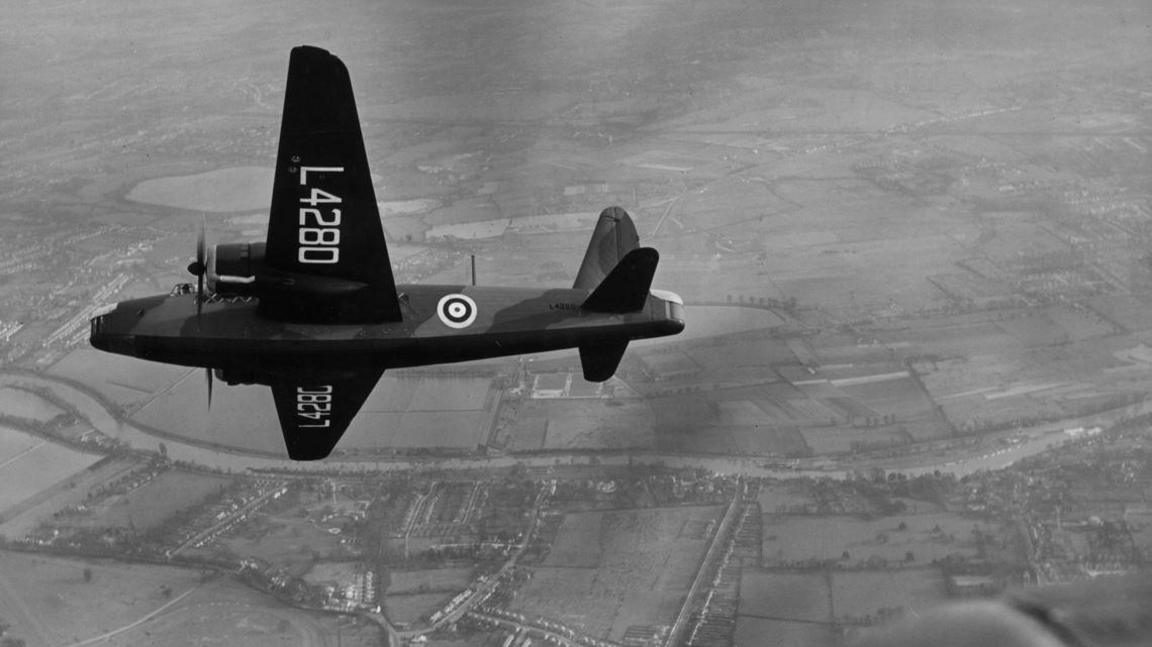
x,y
441,324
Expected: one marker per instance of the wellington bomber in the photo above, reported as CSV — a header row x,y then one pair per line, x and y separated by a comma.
x,y
314,312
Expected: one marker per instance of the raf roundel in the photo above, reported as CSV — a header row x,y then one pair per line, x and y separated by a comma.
x,y
456,310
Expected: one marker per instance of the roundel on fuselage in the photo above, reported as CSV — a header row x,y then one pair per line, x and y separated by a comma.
x,y
456,310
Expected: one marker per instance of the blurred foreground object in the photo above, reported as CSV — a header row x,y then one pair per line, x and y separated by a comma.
x,y
1106,612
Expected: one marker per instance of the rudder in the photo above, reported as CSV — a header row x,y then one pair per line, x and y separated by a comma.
x,y
626,288
614,236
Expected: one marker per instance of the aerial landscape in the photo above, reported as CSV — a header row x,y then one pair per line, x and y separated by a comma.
x,y
913,239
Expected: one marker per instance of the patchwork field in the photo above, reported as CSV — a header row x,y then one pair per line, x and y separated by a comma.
x,y
567,424
610,570
407,412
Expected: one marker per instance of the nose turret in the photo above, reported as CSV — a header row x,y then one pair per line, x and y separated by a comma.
x,y
111,329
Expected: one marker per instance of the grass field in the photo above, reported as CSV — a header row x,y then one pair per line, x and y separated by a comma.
x,y
224,612
411,607
49,602
290,542
123,380
424,412
438,580
14,443
19,403
149,505
581,424
842,439
862,593
610,570
785,596
242,188
29,464
784,633
777,498
241,417
798,538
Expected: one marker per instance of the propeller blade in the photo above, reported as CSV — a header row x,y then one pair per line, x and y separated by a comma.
x,y
201,246
200,267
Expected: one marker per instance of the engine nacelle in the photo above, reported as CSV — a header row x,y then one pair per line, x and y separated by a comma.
x,y
232,268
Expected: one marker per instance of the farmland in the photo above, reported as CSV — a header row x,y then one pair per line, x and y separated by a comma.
x,y
291,542
30,465
608,571
147,506
51,602
24,405
909,235
792,539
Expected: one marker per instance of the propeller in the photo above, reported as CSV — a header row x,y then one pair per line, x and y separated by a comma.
x,y
199,267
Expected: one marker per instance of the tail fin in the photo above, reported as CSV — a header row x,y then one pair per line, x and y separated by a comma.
x,y
625,289
613,238
324,222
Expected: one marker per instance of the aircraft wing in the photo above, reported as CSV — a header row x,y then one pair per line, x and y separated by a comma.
x,y
316,409
326,253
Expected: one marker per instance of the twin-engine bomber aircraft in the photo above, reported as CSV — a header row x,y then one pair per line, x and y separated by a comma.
x,y
314,312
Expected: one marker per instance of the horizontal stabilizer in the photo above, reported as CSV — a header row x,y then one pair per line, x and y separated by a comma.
x,y
600,360
614,236
625,289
